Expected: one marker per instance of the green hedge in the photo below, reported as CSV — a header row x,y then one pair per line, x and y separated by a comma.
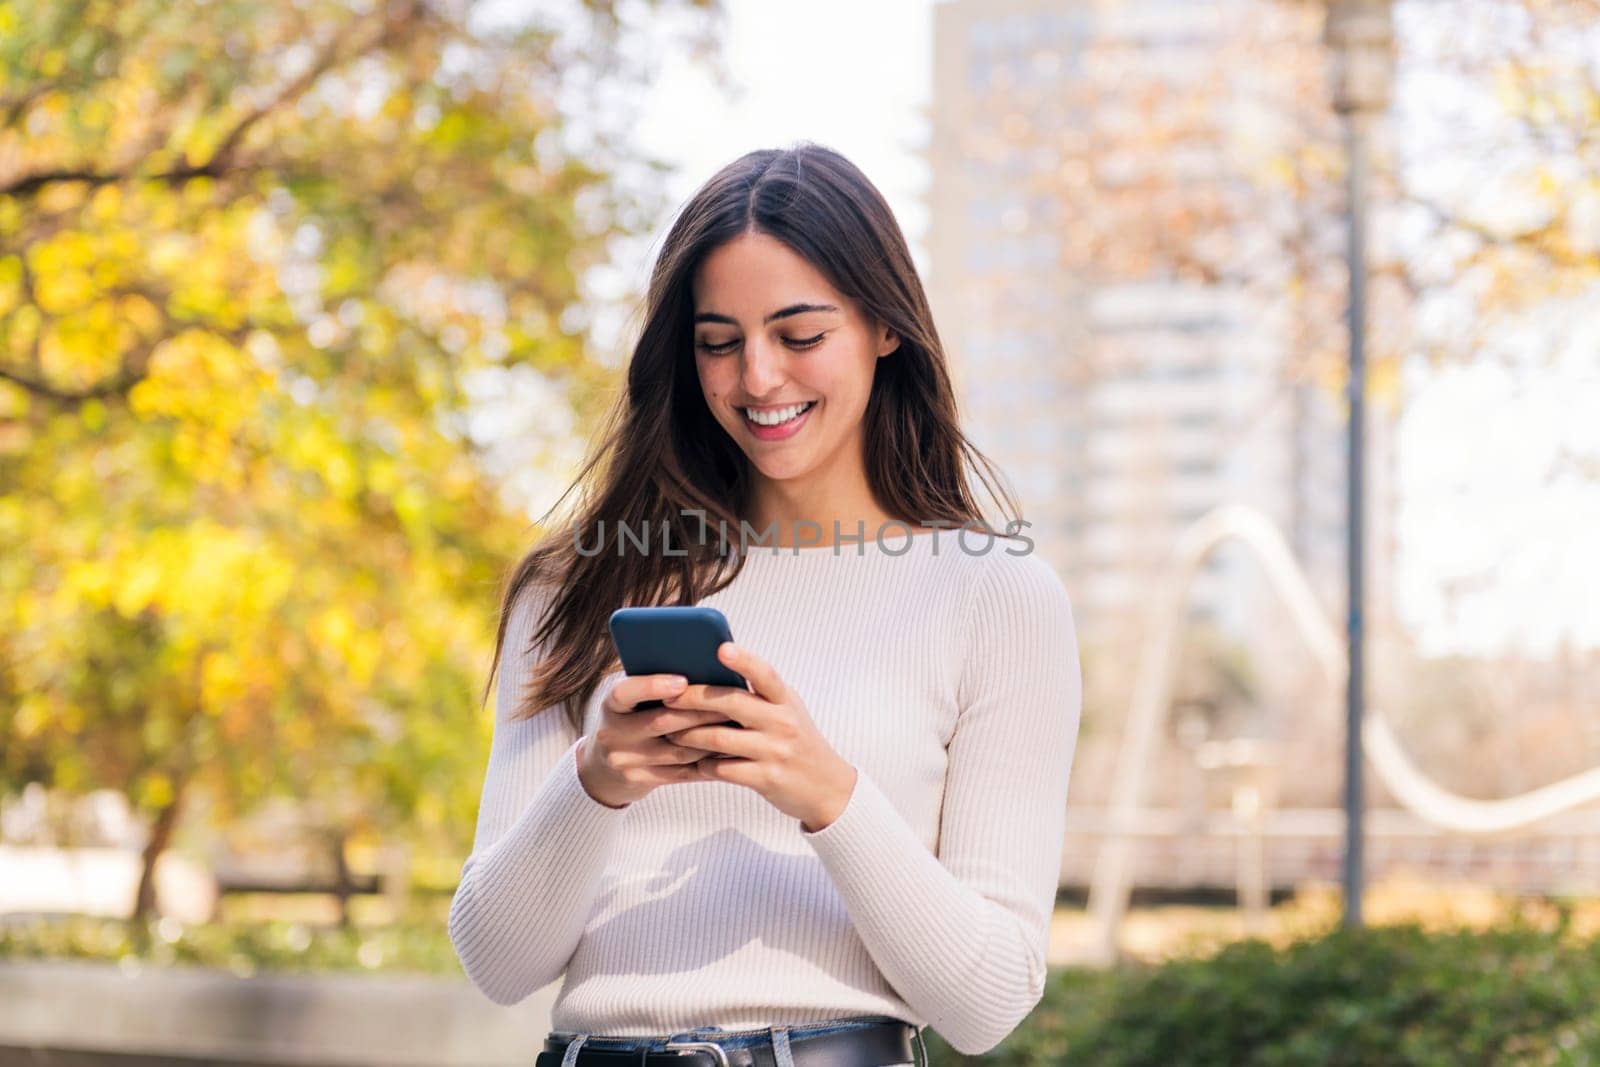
x,y
419,945
1381,995
1522,992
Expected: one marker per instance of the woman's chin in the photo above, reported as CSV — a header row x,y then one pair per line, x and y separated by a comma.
x,y
775,469
780,472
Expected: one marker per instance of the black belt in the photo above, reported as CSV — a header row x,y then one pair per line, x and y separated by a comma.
x,y
862,1046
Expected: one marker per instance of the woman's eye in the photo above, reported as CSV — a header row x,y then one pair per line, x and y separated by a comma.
x,y
792,342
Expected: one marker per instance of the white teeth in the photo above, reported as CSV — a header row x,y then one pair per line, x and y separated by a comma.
x,y
777,416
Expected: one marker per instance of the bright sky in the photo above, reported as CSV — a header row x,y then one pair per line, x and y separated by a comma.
x,y
1474,446
1498,523
852,76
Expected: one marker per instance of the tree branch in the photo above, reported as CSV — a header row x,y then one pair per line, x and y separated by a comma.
x,y
222,160
135,366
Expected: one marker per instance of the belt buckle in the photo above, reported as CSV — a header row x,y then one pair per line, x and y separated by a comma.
x,y
722,1055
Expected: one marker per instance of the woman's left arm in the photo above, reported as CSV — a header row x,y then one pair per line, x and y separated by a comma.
x,y
962,936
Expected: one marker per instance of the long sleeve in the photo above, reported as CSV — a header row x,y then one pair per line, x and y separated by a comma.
x,y
541,842
963,935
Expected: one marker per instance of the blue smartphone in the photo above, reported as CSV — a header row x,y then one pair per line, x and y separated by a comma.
x,y
674,640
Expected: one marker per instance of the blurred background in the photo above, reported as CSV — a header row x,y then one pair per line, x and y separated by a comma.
x,y
307,309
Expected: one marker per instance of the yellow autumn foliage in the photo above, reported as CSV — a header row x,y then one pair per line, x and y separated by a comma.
x,y
242,548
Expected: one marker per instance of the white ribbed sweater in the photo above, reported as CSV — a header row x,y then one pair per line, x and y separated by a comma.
x,y
948,678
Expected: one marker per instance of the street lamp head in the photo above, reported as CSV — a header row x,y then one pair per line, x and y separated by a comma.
x,y
1360,36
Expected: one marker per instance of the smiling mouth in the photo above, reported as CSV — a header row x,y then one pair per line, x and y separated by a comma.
x,y
775,417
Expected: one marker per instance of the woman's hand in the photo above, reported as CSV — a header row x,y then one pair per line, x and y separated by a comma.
x,y
779,752
628,755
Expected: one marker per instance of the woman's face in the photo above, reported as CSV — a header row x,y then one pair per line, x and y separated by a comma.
x,y
771,334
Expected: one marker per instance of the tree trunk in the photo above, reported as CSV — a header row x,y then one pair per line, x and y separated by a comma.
x,y
341,877
144,901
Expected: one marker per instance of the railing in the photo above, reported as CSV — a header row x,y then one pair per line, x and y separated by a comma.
x,y
1108,891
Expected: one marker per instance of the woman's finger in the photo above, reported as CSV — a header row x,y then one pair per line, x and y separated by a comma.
x,y
634,690
666,751
757,671
730,703
668,720
721,740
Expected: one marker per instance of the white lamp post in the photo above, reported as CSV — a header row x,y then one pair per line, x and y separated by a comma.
x,y
1360,35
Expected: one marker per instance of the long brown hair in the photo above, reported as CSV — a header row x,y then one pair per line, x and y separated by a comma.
x,y
664,464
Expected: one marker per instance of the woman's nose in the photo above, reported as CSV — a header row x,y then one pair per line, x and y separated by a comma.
x,y
761,370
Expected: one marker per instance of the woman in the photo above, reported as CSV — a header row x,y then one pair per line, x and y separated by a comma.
x,y
878,847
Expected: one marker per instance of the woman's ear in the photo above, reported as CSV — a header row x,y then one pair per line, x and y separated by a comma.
x,y
888,341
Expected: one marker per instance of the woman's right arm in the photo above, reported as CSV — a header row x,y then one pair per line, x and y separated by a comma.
x,y
541,843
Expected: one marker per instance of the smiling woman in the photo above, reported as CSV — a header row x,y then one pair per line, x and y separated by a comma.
x,y
876,840
757,386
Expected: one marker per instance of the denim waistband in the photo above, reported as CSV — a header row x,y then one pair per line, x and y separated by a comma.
x,y
740,1038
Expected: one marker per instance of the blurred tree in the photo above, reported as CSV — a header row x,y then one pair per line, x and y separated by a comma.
x,y
1220,161
1201,146
252,255
1209,155
1517,222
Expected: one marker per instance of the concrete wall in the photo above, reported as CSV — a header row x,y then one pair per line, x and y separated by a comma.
x,y
190,1013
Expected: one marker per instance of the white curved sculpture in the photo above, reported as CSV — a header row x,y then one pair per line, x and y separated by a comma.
x,y
1108,890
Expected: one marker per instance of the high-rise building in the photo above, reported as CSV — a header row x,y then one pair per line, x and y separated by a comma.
x,y
1123,405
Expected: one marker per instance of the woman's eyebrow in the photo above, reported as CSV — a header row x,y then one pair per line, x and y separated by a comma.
x,y
792,309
